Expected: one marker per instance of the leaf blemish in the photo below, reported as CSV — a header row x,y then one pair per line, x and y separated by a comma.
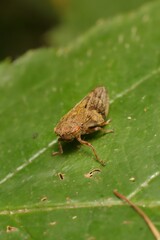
x,y
61,176
11,229
127,222
53,223
43,199
92,172
132,179
129,117
34,135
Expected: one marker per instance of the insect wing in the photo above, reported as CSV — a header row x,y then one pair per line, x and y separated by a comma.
x,y
99,101
90,111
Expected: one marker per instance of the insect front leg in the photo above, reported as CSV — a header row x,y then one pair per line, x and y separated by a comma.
x,y
94,151
107,122
60,148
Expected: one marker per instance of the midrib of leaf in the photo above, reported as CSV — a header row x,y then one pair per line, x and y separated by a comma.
x,y
90,204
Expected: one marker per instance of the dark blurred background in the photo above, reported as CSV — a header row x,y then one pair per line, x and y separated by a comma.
x,y
30,24
23,24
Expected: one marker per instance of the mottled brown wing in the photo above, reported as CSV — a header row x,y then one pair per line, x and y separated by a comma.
x,y
98,100
91,110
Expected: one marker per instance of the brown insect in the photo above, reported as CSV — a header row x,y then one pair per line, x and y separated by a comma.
x,y
86,117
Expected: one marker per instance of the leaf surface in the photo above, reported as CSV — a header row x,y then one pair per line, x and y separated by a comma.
x,y
39,88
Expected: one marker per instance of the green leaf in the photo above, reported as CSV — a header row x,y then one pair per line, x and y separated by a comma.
x,y
81,15
37,89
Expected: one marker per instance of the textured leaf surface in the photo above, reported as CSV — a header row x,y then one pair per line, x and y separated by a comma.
x,y
81,15
36,90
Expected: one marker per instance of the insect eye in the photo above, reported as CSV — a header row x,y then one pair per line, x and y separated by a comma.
x,y
63,136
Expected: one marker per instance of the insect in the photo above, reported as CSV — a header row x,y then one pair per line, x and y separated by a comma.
x,y
86,117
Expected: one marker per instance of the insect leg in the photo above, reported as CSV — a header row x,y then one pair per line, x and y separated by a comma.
x,y
106,130
107,122
94,151
104,124
60,148
95,129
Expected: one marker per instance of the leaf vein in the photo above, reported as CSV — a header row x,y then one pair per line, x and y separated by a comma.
x,y
40,152
29,161
135,85
110,202
143,185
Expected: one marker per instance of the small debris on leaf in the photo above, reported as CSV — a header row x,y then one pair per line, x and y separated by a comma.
x,y
91,173
11,229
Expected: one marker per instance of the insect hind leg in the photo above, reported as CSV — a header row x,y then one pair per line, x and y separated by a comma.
x,y
94,151
100,128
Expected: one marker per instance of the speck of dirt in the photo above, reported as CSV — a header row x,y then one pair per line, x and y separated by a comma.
x,y
11,229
